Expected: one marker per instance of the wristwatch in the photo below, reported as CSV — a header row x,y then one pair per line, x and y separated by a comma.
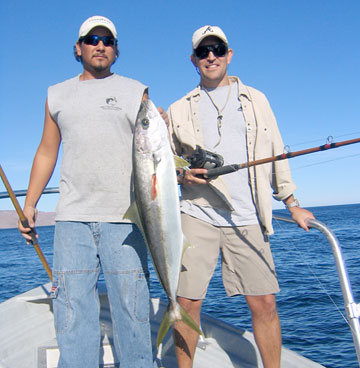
x,y
295,203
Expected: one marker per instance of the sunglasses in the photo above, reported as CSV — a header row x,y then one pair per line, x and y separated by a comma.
x,y
95,39
218,50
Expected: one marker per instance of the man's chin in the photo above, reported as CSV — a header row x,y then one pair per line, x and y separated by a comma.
x,y
99,69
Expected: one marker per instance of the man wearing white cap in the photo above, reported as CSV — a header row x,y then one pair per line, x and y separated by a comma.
x,y
93,115
224,121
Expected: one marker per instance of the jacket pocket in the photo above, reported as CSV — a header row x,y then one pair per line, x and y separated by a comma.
x,y
184,132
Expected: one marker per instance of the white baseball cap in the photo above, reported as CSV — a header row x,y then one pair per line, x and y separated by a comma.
x,y
97,21
207,31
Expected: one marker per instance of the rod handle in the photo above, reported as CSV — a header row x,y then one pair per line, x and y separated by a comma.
x,y
24,222
211,173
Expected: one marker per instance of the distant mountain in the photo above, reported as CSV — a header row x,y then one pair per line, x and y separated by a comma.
x,y
9,219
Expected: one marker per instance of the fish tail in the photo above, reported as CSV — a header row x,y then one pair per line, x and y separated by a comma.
x,y
164,328
170,318
189,321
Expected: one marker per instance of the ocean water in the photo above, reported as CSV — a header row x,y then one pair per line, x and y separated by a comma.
x,y
310,302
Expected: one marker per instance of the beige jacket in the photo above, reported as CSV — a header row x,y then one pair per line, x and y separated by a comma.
x,y
263,140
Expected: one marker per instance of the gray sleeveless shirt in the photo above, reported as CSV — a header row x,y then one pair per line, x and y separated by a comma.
x,y
96,119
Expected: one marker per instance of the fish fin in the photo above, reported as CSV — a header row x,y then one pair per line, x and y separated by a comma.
x,y
164,328
132,214
153,187
180,163
189,321
186,245
167,321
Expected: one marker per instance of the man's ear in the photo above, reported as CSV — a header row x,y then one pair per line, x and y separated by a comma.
x,y
230,54
193,60
78,49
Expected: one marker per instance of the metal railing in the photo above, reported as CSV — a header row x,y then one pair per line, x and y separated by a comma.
x,y
22,193
352,309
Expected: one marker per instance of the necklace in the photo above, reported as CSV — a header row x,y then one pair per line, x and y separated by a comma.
x,y
219,111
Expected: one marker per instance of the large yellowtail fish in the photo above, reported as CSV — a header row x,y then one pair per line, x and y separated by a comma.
x,y
156,209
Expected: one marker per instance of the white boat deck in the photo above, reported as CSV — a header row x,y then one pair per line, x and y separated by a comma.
x,y
28,340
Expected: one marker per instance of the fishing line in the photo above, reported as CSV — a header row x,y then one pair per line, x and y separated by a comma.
x,y
322,140
300,254
309,267
294,168
227,169
322,162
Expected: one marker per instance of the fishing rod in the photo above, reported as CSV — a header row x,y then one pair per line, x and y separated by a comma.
x,y
227,169
25,223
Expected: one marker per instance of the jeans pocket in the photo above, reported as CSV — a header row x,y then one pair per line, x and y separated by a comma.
x,y
142,306
60,304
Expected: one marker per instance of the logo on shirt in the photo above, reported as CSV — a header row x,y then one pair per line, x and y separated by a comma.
x,y
111,103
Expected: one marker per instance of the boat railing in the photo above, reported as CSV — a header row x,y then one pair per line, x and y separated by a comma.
x,y
22,193
352,309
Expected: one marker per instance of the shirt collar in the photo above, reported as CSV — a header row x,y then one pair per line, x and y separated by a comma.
x,y
242,90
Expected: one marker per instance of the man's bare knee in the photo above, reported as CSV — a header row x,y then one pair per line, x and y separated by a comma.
x,y
262,306
191,306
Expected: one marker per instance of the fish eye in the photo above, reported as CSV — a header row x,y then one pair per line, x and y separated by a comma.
x,y
145,123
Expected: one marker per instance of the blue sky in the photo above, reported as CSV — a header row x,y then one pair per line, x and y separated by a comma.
x,y
304,55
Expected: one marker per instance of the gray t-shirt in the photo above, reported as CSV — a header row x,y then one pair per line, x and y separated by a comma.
x,y
96,119
230,143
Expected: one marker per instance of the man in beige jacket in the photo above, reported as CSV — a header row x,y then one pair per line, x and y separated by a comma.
x,y
230,214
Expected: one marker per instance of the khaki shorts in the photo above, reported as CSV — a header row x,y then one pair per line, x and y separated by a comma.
x,y
247,263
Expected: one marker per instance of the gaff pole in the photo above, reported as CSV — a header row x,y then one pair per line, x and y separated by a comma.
x,y
25,223
227,169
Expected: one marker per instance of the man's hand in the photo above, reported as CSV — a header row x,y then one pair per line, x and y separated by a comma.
x,y
301,215
190,177
30,214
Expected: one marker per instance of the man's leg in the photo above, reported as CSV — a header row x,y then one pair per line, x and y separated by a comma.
x,y
75,300
124,262
266,327
186,338
248,269
198,264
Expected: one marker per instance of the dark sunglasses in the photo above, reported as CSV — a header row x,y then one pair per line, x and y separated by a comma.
x,y
218,50
95,39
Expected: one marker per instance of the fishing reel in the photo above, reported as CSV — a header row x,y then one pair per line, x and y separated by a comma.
x,y
203,159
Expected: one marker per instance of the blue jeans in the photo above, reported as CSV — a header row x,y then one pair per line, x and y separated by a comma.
x,y
80,249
